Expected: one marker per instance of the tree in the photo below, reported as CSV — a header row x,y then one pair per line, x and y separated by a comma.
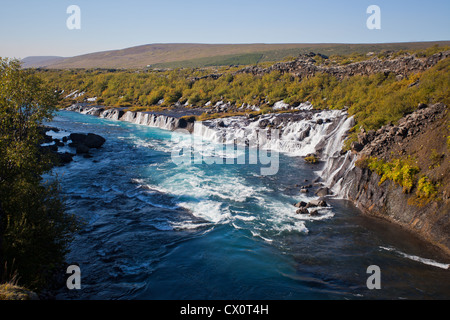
x,y
34,229
172,95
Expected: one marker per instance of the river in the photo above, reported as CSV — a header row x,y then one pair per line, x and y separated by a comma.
x,y
157,229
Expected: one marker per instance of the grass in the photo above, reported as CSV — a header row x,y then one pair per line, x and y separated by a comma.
x,y
226,60
10,291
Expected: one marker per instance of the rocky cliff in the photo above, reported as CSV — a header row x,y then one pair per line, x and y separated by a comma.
x,y
420,137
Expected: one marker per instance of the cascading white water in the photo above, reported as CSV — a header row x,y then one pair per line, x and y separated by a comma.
x,y
321,132
337,165
296,138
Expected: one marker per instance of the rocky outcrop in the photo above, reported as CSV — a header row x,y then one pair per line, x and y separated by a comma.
x,y
89,140
382,142
80,142
305,66
304,208
417,135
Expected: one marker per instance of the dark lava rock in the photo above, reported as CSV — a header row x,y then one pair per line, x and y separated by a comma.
x,y
94,141
81,149
58,143
221,124
77,137
356,146
422,106
65,158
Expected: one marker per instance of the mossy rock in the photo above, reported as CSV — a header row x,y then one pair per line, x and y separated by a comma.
x,y
12,292
312,159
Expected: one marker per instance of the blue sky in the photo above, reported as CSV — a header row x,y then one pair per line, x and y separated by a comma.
x,y
39,27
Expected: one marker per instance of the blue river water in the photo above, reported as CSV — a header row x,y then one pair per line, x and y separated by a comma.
x,y
154,229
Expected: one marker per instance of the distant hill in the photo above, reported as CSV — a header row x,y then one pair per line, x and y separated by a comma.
x,y
200,55
40,61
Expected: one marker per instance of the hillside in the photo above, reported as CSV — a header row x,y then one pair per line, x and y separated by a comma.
x,y
201,55
40,61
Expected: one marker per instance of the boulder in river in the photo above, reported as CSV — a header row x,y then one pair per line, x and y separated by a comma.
x,y
316,203
77,138
65,157
322,192
300,204
82,149
91,140
94,141
302,211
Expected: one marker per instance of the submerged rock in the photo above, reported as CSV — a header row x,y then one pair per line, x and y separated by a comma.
x,y
314,213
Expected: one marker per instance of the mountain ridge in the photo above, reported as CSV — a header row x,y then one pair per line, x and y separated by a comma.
x,y
173,55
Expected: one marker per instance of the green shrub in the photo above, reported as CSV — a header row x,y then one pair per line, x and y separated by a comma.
x,y
402,172
311,159
426,189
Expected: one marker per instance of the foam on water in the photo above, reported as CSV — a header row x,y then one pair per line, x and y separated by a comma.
x,y
426,261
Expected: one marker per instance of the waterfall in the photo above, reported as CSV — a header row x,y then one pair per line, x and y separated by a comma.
x,y
297,134
320,132
338,165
